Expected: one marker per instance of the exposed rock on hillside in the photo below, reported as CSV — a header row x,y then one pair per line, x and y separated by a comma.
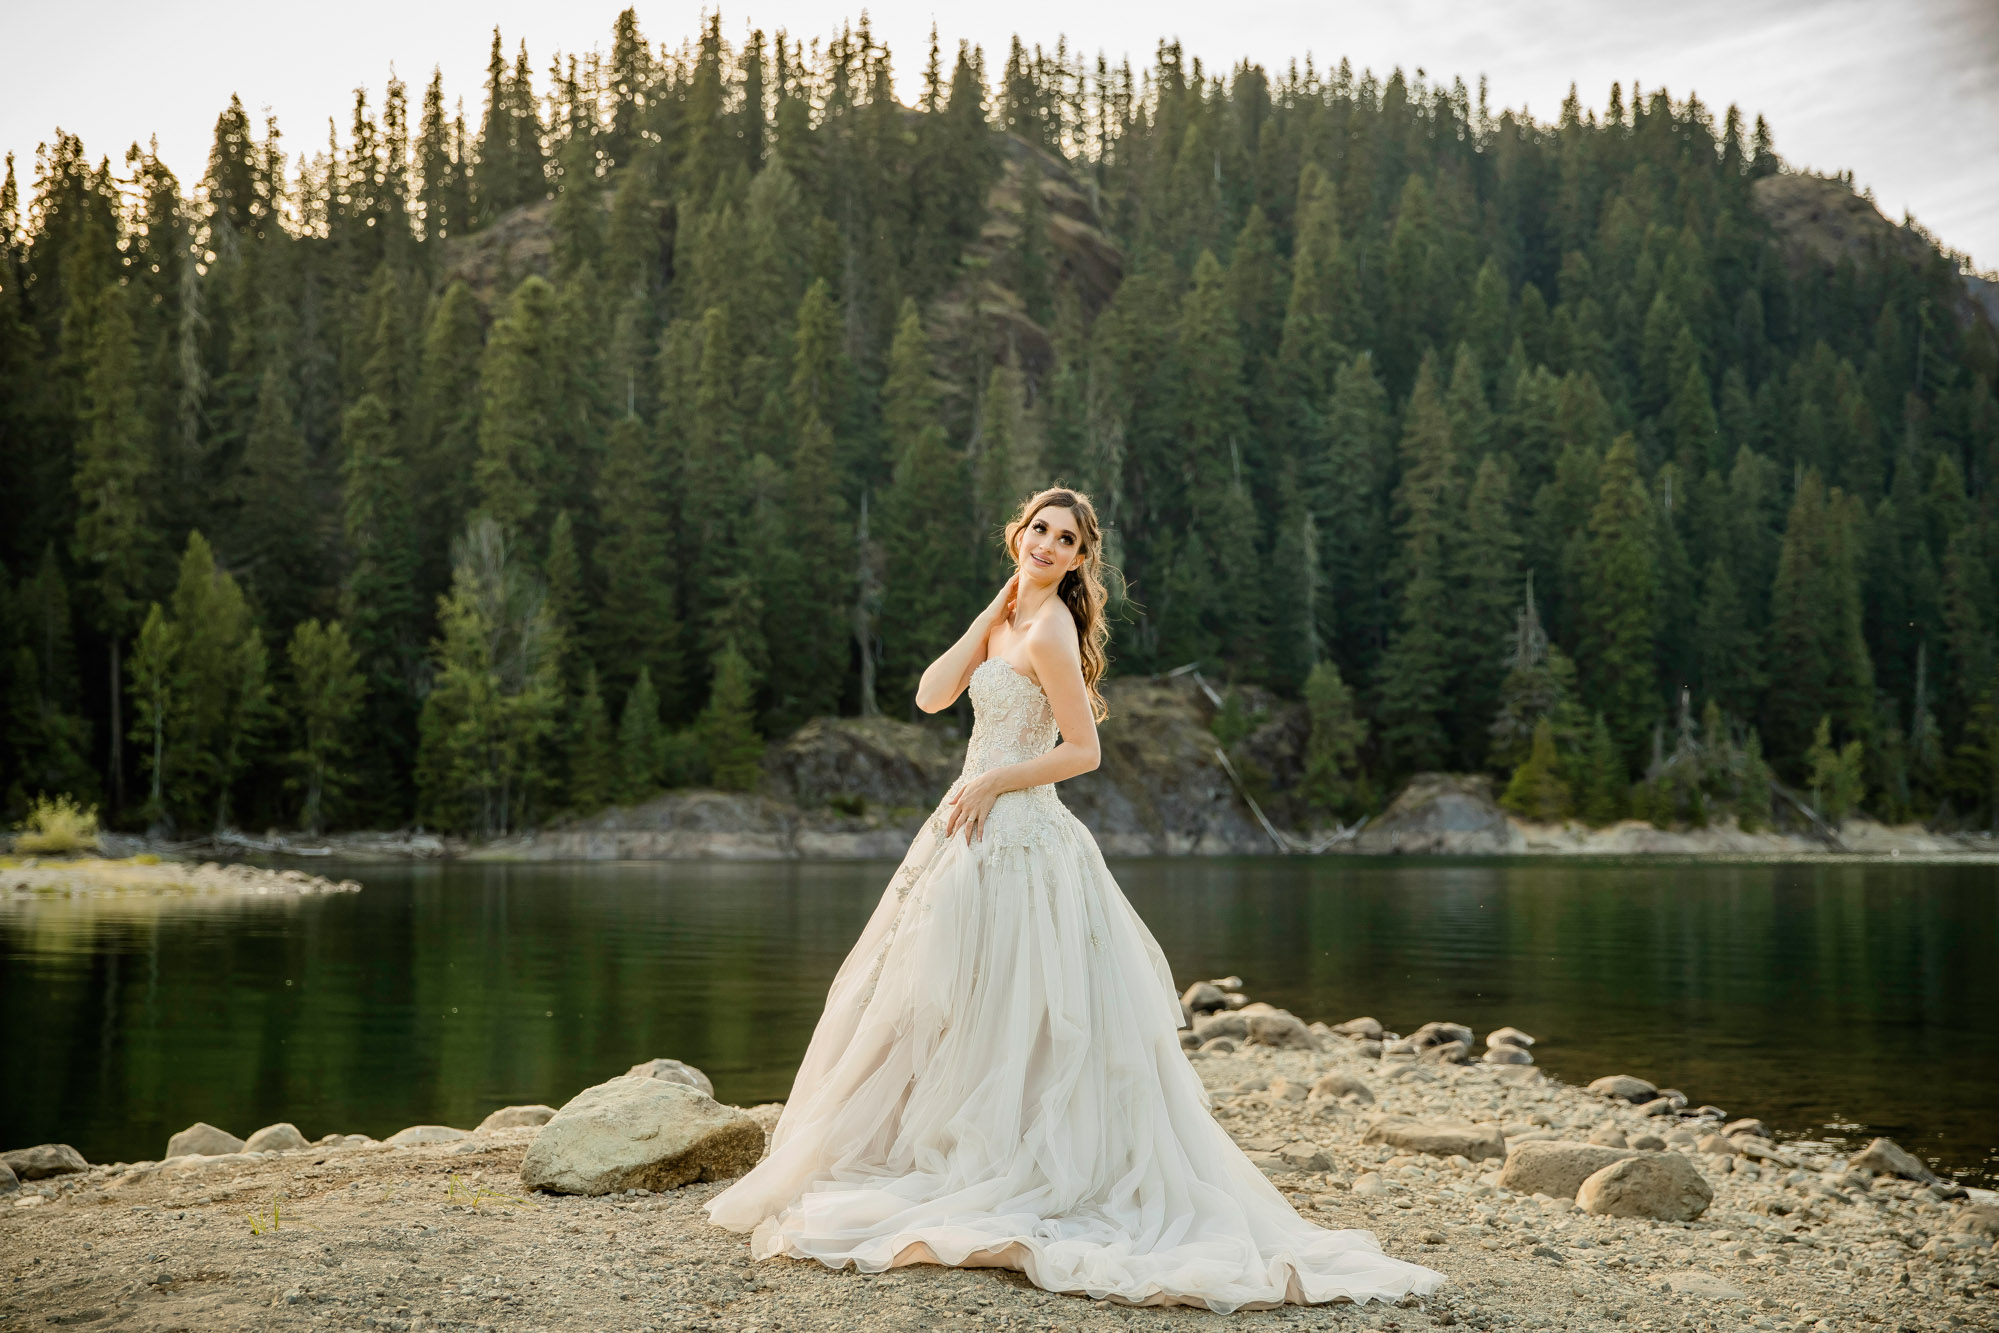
x,y
1443,812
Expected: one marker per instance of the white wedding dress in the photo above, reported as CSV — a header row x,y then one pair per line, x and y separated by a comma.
x,y
997,1080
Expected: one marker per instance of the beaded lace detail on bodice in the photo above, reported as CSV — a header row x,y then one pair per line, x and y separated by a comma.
x,y
1011,719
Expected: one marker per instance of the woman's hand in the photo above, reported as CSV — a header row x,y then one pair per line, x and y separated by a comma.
x,y
1001,605
970,805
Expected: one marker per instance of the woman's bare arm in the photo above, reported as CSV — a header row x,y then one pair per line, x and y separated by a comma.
x,y
946,678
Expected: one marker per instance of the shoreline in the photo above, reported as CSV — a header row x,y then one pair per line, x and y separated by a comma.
x,y
434,1230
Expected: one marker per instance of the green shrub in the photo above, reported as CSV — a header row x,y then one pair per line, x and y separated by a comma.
x,y
57,826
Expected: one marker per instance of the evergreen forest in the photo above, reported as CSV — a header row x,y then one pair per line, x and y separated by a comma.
x,y
501,454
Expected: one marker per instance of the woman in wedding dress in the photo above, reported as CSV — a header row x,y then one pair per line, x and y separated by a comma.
x,y
997,1079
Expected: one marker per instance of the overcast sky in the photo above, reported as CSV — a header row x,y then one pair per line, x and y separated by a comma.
x,y
1905,93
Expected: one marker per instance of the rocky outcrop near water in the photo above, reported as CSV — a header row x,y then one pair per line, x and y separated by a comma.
x,y
152,876
1603,1209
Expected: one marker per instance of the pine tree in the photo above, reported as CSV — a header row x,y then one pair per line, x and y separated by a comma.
x,y
1819,663
222,680
1415,672
495,695
927,571
153,675
729,740
594,772
520,396
1835,774
640,742
278,532
327,689
379,600
1486,580
114,466
1604,776
1332,780
1620,594
636,625
1536,790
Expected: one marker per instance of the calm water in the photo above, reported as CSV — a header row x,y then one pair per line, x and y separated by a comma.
x,y
1834,1001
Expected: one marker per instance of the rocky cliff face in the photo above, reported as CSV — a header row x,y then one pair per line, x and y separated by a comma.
x,y
860,787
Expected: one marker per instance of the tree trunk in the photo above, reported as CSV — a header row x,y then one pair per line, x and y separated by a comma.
x,y
117,734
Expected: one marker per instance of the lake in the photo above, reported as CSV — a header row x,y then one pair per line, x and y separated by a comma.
x,y
1834,1000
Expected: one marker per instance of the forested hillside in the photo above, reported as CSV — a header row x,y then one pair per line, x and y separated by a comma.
x,y
478,465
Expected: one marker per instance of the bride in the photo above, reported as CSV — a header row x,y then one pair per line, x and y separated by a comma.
x,y
997,1078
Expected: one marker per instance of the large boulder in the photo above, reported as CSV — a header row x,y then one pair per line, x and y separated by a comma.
x,y
281,1137
1663,1186
1624,1088
1442,812
44,1160
673,1071
1891,1159
634,1132
516,1117
1555,1167
9,1182
202,1139
1439,1138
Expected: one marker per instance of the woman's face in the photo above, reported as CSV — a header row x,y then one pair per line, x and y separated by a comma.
x,y
1050,545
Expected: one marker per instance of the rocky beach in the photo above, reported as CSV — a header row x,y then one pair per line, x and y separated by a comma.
x,y
1617,1206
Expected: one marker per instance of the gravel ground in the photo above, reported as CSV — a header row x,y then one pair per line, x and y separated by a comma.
x,y
441,1237
146,875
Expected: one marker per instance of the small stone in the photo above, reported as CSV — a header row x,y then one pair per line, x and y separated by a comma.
x,y
1336,1084
9,1182
1283,1089
1508,1037
1234,1026
1714,1113
1659,1106
281,1137
1439,1034
1282,1030
416,1135
1369,1028
1508,1055
1715,1143
1188,1041
1302,1156
516,1117
1748,1126
1226,984
1978,1219
43,1161
1608,1135
673,1071
1446,1053
1369,1185
1680,1134
1368,1050
1203,997
1891,1159
1556,1168
1624,1088
1218,1046
1648,1143
1661,1186
202,1139
1439,1138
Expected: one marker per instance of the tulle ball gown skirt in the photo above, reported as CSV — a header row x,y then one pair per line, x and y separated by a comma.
x,y
997,1080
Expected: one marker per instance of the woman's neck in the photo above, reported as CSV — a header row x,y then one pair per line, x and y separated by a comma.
x,y
1029,605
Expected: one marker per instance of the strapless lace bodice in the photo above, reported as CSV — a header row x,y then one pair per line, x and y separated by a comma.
x,y
1011,719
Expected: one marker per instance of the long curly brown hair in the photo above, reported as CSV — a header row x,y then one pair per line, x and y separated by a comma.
x,y
1082,588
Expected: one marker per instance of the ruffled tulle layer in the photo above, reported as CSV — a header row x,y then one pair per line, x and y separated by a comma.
x,y
997,1080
